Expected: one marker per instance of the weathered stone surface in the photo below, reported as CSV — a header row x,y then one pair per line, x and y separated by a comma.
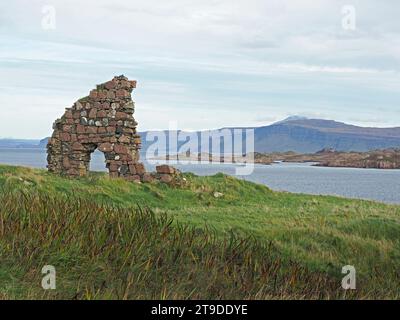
x,y
132,169
78,146
140,170
121,115
91,124
68,114
104,121
147,177
110,85
124,139
106,147
93,113
65,137
120,149
165,169
93,94
166,178
91,130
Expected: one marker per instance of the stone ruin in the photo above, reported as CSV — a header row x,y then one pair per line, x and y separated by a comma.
x,y
104,121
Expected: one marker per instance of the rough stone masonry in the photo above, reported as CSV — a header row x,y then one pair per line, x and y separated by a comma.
x,y
104,121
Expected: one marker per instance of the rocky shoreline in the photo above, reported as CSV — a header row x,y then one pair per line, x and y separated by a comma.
x,y
378,159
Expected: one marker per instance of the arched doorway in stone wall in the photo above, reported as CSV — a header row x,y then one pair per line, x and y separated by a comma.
x,y
117,158
98,161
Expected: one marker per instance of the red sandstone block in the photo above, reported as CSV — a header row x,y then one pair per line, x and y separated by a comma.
x,y
91,130
76,115
120,116
111,95
68,114
76,146
67,128
96,139
101,114
106,147
102,130
147,177
93,94
124,139
66,163
132,169
166,178
93,113
65,136
105,139
111,129
110,85
133,83
140,168
165,169
113,167
120,149
102,94
122,93
80,129
128,131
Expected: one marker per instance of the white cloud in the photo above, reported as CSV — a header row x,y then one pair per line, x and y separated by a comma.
x,y
231,57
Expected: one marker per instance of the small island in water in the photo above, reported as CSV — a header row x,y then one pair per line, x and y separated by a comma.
x,y
378,159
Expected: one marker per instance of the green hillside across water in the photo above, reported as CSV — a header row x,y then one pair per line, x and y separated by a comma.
x,y
203,238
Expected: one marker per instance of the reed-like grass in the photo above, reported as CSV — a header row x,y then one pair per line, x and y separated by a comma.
x,y
104,252
109,239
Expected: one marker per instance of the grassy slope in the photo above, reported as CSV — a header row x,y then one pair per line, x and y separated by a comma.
x,y
321,234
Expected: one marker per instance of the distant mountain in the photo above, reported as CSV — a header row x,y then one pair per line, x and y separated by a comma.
x,y
304,135
292,118
19,143
295,133
312,135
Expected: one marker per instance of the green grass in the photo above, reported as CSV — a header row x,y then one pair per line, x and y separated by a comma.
x,y
114,239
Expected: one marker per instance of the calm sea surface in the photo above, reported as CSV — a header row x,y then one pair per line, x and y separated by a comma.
x,y
381,185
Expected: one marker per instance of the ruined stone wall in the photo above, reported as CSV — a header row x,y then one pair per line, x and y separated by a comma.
x,y
104,121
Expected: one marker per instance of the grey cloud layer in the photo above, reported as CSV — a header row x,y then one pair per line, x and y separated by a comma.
x,y
221,55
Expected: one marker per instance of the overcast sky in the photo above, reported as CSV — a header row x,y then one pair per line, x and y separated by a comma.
x,y
205,64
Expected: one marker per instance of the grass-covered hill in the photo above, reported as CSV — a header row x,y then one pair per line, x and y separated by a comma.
x,y
203,238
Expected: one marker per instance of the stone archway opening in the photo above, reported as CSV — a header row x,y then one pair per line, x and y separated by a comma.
x,y
97,161
104,121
